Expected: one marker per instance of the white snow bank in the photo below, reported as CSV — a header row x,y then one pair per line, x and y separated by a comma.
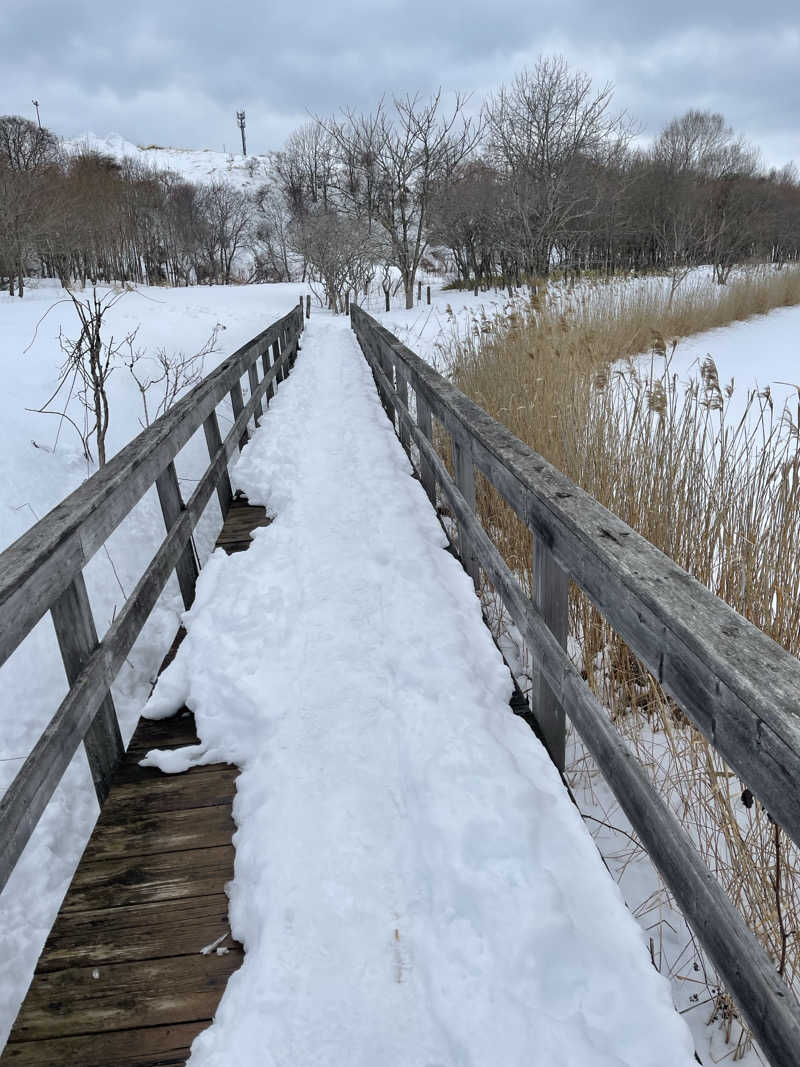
x,y
412,884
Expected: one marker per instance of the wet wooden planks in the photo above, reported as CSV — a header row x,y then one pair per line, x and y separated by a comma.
x,y
242,518
123,980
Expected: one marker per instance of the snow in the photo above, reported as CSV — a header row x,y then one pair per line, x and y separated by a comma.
x,y
412,883
200,166
34,479
36,474
762,351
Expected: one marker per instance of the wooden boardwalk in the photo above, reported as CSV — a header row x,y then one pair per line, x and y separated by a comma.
x,y
123,979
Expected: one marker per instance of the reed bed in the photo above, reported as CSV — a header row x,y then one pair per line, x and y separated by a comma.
x,y
718,492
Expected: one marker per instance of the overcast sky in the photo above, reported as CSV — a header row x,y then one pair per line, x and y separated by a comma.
x,y
174,72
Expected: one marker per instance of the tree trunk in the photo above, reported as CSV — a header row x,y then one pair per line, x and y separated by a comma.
x,y
409,290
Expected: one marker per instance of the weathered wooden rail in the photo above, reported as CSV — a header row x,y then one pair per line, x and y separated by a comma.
x,y
738,687
43,570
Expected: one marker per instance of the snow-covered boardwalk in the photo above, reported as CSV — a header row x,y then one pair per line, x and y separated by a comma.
x,y
412,884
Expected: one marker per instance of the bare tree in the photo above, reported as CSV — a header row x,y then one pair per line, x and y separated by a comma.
x,y
391,162
89,363
27,153
168,372
342,254
542,131
228,216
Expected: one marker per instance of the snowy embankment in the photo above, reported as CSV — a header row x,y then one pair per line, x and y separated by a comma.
x,y
199,165
412,883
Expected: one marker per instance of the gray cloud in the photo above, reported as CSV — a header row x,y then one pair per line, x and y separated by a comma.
x,y
174,73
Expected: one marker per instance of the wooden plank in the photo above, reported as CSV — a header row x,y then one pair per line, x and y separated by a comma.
x,y
551,598
402,390
153,1046
173,830
277,351
147,931
214,445
121,882
427,476
122,996
265,365
77,639
464,467
749,974
175,732
237,401
197,788
150,930
169,495
252,373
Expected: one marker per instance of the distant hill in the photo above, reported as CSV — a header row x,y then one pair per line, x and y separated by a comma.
x,y
198,165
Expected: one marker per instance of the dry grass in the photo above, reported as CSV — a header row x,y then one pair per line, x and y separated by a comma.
x,y
719,495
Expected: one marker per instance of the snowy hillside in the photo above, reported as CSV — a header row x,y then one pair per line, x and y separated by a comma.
x,y
198,165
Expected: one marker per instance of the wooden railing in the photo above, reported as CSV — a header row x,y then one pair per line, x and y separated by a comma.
x,y
43,570
739,688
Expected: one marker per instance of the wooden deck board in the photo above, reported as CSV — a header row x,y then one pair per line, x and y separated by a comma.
x,y
122,980
241,520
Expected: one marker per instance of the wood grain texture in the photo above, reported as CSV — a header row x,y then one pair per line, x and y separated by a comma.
x,y
122,969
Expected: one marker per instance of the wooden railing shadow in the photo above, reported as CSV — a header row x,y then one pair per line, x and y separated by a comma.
x,y
736,685
43,570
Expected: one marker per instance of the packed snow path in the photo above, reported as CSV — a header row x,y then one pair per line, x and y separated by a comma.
x,y
412,884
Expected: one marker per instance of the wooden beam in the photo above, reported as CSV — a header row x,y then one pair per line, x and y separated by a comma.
x,y
551,598
252,374
169,495
214,444
77,640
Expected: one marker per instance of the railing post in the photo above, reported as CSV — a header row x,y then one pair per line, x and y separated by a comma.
x,y
266,363
237,401
252,375
551,597
402,392
169,494
308,306
464,467
214,443
426,473
276,356
77,639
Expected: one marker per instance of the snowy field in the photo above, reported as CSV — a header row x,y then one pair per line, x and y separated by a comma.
x,y
42,462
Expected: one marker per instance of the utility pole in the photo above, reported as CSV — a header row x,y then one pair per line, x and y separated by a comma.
x,y
36,105
240,121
